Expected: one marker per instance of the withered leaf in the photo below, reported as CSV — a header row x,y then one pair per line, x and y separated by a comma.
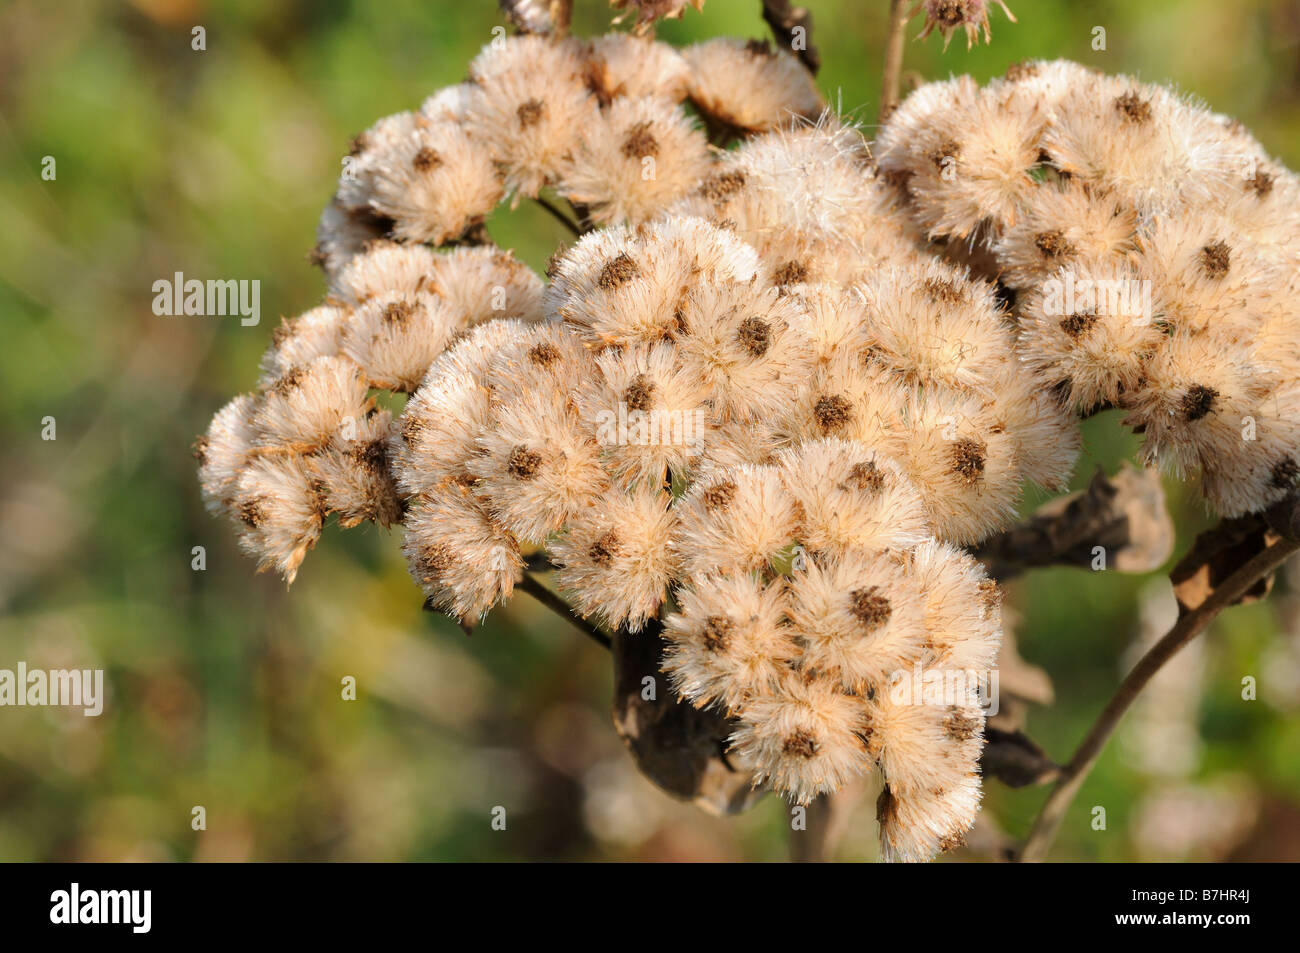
x,y
1015,760
680,748
1215,555
1124,514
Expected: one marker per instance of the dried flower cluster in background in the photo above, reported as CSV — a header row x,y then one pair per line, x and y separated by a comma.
x,y
949,16
772,391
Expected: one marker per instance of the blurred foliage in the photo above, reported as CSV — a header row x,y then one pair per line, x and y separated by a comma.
x,y
225,690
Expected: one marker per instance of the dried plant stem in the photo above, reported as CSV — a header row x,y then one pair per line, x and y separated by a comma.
x,y
889,87
812,846
786,22
828,818
562,15
559,216
1125,514
1184,630
546,597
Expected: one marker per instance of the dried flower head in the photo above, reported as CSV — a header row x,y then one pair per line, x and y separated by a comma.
x,y
949,16
750,86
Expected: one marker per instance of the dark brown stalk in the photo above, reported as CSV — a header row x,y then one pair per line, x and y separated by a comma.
x,y
889,87
561,608
559,216
792,28
1191,624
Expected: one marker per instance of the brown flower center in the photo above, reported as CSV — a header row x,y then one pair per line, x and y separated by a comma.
x,y
1261,182
942,291
253,512
433,562
1215,259
289,381
1285,473
866,476
523,463
640,394
398,313
1053,244
790,273
949,14
1022,70
372,457
968,459
426,160
720,494
962,724
1077,325
718,188
870,607
603,550
755,335
640,141
991,594
945,153
617,272
530,113
801,744
544,354
832,412
716,633
1133,108
1197,402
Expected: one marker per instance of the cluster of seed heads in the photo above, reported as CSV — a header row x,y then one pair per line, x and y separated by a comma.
x,y
760,405
1152,248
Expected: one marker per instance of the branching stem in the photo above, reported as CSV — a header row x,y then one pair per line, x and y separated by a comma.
x,y
889,87
558,215
546,597
1188,626
792,28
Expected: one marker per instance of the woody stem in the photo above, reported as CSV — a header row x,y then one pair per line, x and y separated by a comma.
x,y
558,215
531,585
889,86
1188,626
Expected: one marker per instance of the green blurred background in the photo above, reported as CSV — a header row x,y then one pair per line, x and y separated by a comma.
x,y
225,689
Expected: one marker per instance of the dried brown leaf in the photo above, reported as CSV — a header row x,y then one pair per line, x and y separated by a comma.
x,y
680,748
1015,760
1126,515
1215,555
